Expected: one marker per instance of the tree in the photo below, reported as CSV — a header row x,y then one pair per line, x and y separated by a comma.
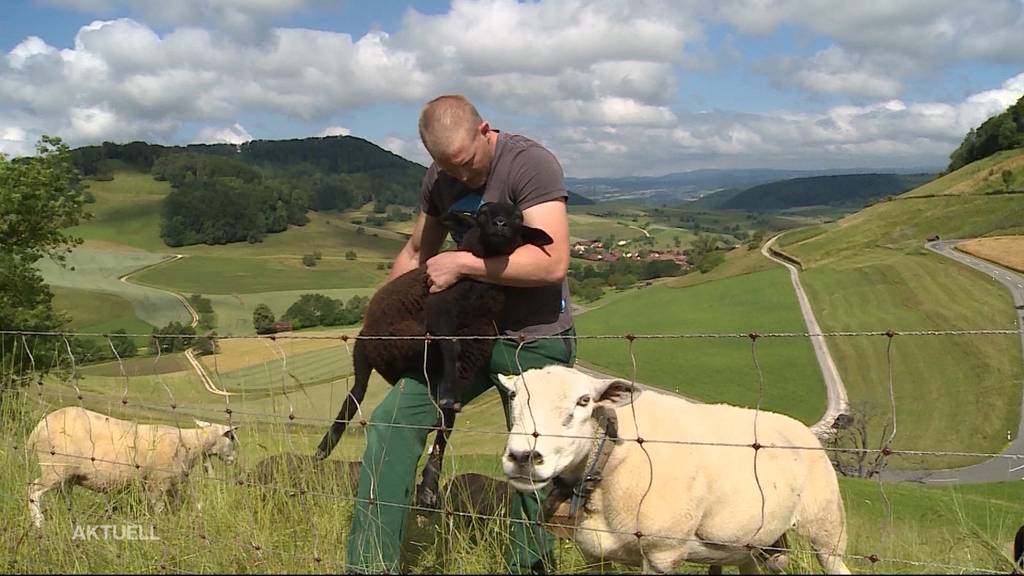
x,y
123,345
351,255
40,199
862,434
1007,177
263,319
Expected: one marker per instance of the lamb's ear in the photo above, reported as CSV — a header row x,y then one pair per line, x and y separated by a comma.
x,y
458,222
202,423
535,236
614,393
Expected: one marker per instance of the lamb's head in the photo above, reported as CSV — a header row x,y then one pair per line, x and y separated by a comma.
x,y
220,441
554,422
497,230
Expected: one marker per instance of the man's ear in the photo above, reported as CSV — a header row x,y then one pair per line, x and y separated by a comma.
x,y
535,236
458,222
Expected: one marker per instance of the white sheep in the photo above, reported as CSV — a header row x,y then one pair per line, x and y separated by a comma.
x,y
660,503
76,446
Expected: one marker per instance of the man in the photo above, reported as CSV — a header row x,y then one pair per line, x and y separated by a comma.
x,y
473,163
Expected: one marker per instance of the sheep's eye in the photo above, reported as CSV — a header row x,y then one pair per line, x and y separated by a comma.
x,y
584,400
512,395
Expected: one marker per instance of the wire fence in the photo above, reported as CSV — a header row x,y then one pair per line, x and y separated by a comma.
x,y
32,375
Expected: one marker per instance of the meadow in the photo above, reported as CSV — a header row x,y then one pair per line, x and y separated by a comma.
x,y
225,526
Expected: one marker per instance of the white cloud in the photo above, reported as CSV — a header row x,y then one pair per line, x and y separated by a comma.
x,y
234,134
335,131
243,20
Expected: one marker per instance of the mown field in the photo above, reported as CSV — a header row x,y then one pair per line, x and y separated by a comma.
x,y
712,369
871,272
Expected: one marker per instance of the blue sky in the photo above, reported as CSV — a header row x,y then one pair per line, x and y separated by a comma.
x,y
613,87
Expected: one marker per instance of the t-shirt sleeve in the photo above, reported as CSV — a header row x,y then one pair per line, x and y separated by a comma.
x,y
536,177
428,203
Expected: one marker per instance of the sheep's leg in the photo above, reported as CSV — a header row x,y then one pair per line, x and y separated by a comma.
x,y
428,488
35,494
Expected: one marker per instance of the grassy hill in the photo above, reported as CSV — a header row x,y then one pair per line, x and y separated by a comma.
x,y
842,191
870,271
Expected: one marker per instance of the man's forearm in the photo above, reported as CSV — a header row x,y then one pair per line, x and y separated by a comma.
x,y
406,260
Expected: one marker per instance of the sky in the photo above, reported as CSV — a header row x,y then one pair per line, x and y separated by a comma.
x,y
611,87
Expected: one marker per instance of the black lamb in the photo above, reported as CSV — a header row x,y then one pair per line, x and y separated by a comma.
x,y
405,308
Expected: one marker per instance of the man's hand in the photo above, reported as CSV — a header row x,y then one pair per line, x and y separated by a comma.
x,y
447,268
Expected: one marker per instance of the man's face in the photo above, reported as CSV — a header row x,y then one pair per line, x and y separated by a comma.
x,y
469,161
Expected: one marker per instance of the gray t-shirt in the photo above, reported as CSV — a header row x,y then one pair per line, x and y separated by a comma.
x,y
526,174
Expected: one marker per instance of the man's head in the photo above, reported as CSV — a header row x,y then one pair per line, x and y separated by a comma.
x,y
457,139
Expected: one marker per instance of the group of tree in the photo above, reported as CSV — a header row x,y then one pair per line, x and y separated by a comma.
x,y
40,199
204,307
1001,132
227,193
216,200
310,310
588,281
173,337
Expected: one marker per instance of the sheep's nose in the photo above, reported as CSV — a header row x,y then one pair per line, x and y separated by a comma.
x,y
523,457
500,221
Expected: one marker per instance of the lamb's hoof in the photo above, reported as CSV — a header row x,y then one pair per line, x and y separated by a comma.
x,y
449,404
426,498
320,454
422,520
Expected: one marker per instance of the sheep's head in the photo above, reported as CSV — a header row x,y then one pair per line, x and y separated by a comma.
x,y
553,416
496,230
221,441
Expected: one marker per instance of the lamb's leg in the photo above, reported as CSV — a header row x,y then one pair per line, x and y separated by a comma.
x,y
428,488
447,395
35,494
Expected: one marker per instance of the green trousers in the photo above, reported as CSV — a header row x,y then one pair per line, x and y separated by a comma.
x,y
387,480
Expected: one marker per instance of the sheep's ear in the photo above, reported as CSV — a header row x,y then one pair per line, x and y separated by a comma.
x,y
614,393
458,222
535,236
202,423
508,381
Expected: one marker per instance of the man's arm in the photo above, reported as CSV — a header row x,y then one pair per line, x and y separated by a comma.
x,y
527,266
426,240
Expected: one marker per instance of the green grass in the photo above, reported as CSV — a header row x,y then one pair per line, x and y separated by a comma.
x,y
93,270
245,529
240,275
972,380
713,370
234,312
97,311
126,212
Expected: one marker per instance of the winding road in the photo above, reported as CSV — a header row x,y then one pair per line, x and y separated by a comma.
x,y
837,400
994,469
189,354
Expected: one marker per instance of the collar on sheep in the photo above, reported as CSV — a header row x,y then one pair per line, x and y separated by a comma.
x,y
581,489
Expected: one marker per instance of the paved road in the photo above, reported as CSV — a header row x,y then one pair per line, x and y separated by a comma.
x,y
837,400
996,469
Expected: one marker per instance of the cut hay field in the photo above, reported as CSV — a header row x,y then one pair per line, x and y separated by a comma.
x,y
1006,251
717,369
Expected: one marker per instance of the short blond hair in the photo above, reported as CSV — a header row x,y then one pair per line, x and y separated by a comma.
x,y
446,121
